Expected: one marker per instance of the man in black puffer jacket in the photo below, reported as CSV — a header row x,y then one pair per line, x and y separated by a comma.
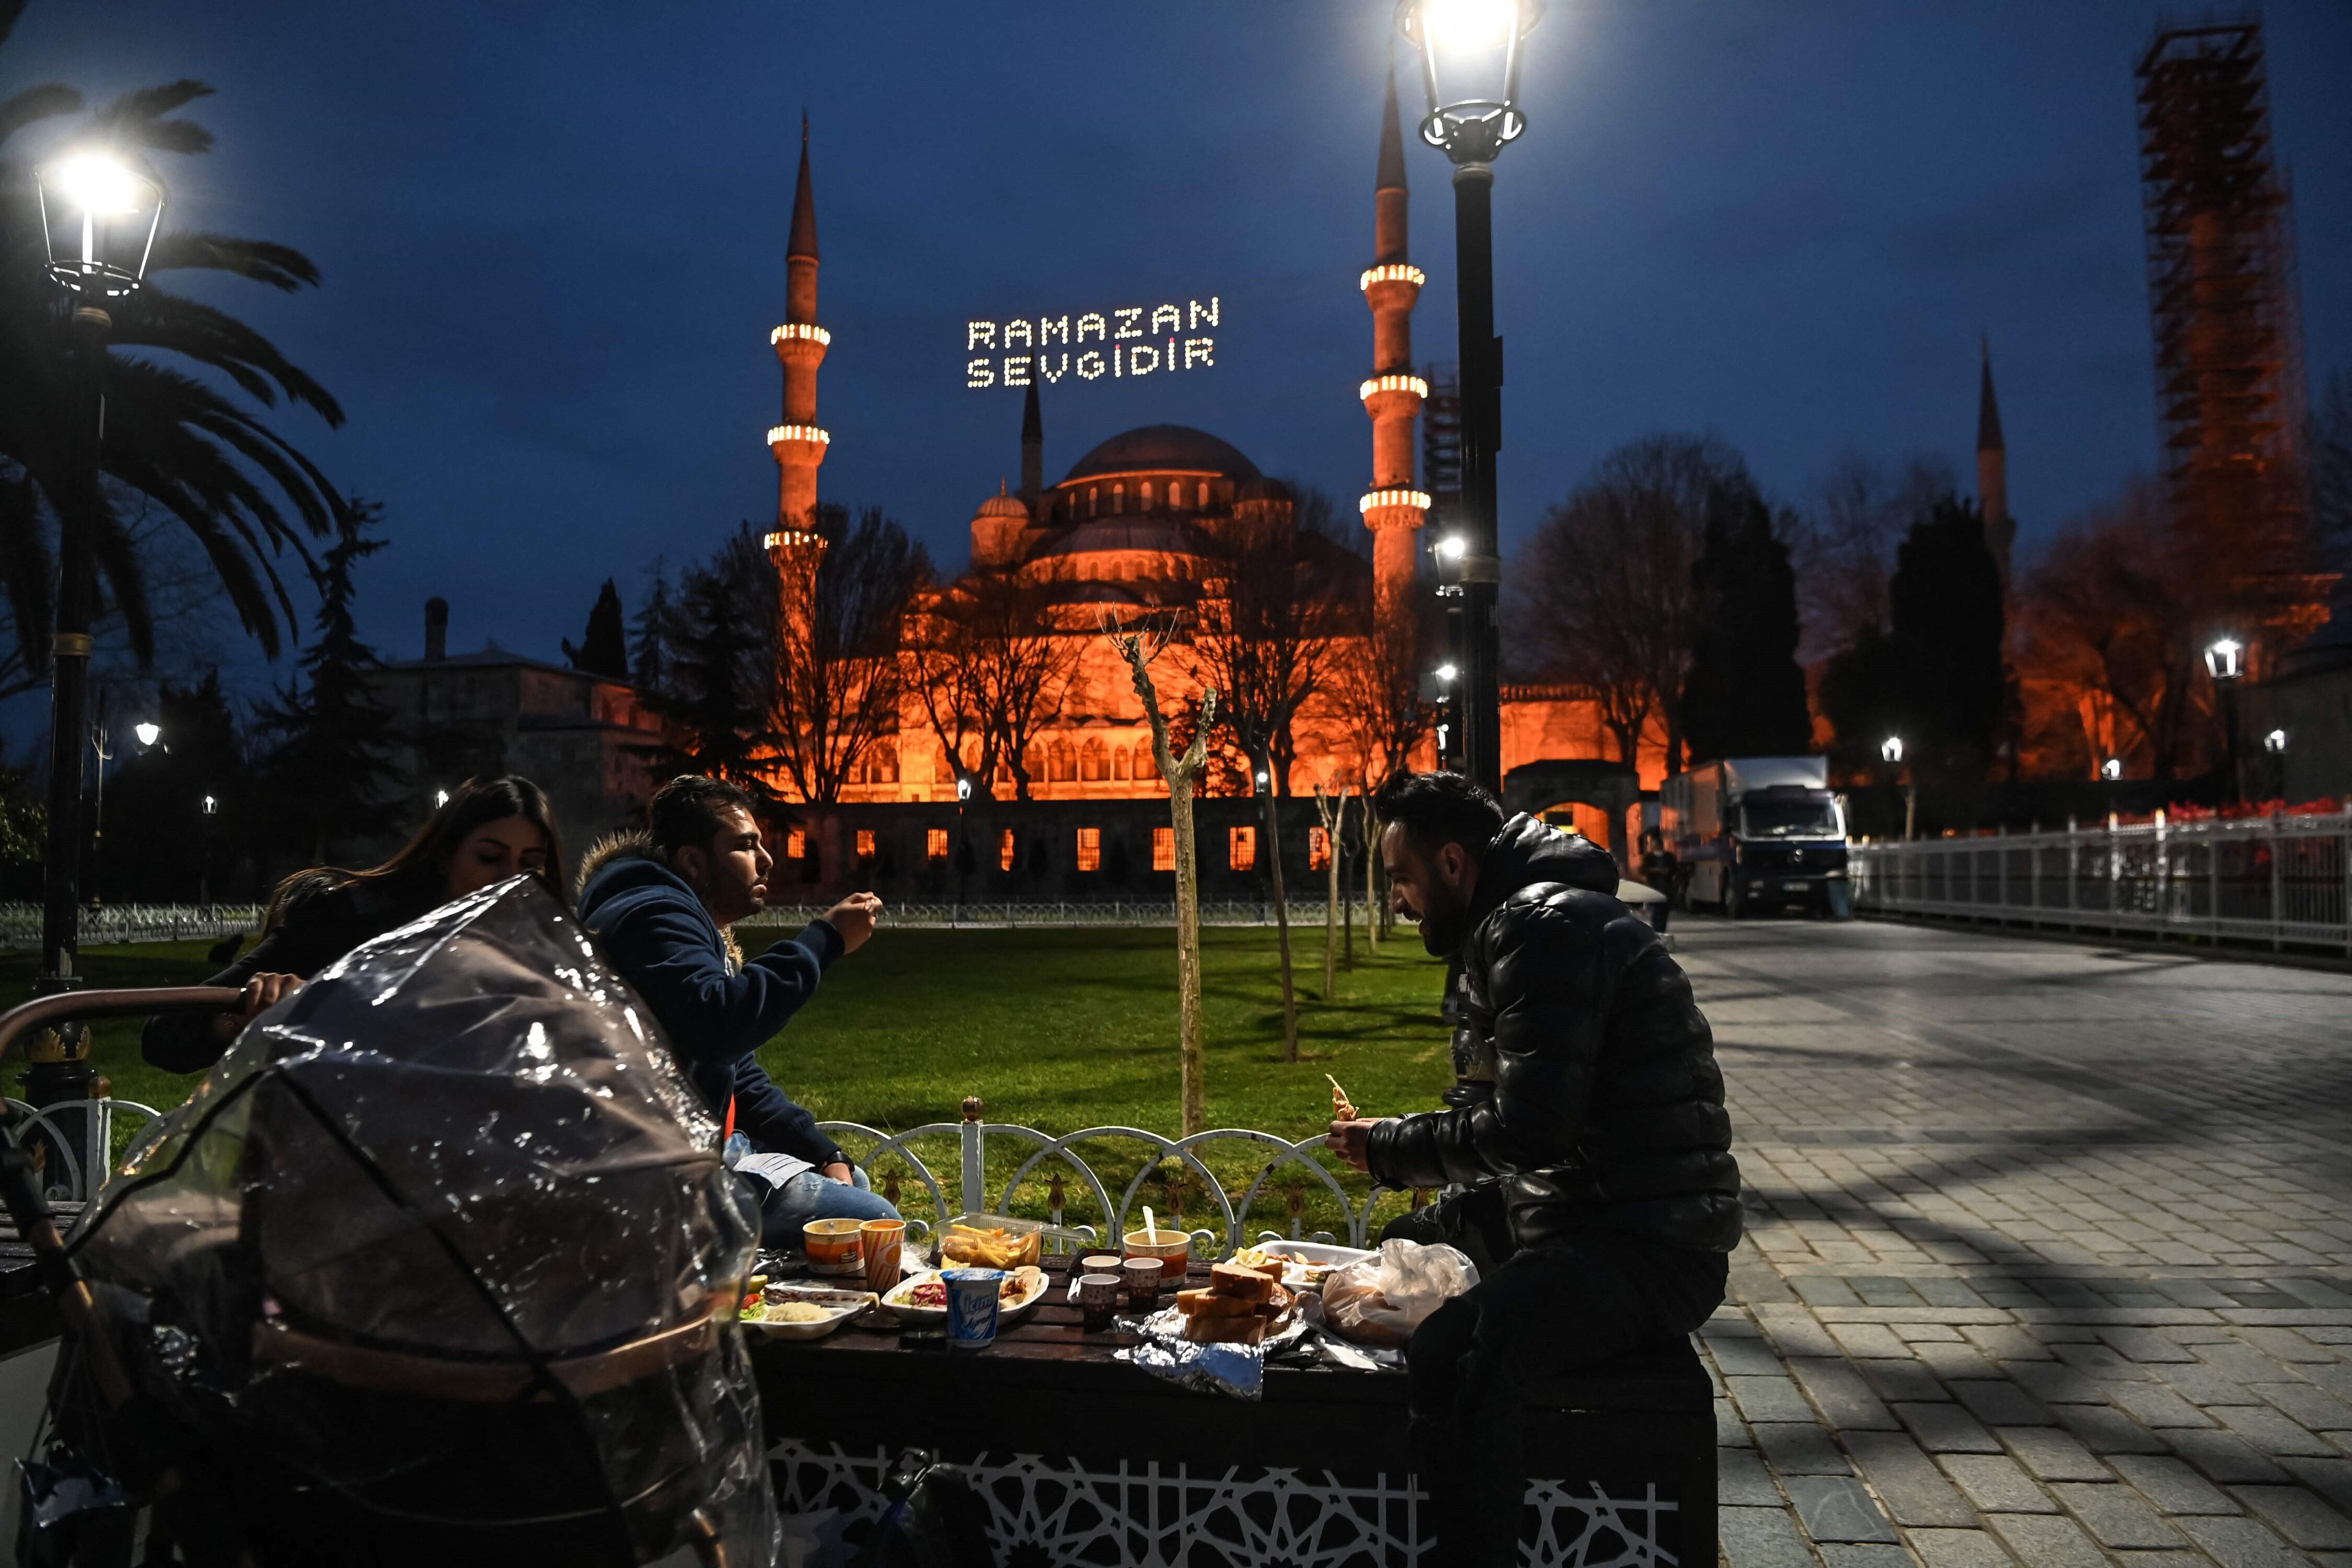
x,y
1586,1128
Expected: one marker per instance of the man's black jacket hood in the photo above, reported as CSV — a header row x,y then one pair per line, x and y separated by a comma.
x,y
1589,1087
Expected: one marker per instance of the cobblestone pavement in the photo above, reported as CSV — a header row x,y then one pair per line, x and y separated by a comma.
x,y
2049,1254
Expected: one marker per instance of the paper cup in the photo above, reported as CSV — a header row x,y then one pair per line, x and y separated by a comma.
x,y
1142,1276
1098,1299
973,1297
884,1241
834,1247
1172,1247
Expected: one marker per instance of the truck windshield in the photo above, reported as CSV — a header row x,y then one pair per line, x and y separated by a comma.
x,y
1791,818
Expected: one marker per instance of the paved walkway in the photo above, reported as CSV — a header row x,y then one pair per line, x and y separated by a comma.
x,y
2049,1253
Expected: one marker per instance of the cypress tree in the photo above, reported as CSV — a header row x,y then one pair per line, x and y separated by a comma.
x,y
1946,642
1745,694
604,649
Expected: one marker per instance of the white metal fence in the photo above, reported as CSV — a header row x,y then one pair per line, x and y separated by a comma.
x,y
2284,882
20,924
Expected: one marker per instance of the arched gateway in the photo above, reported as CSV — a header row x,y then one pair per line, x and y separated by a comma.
x,y
1611,788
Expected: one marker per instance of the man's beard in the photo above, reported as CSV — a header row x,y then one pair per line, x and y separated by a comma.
x,y
1444,924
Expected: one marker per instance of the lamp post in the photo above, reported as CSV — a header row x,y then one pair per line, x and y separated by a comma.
x,y
1890,751
204,859
2225,661
1470,56
98,218
1449,712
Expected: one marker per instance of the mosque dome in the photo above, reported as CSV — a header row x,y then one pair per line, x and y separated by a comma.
x,y
1163,448
1000,504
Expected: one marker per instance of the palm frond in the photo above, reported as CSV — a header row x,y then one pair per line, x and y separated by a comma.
x,y
280,266
155,318
117,555
35,103
24,568
137,118
10,12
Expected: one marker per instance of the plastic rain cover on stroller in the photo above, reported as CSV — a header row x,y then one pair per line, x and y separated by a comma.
x,y
441,1259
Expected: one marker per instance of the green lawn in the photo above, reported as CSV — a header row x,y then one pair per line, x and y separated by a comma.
x,y
1054,1029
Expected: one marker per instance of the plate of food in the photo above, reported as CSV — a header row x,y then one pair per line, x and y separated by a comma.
x,y
802,1311
1305,1265
922,1298
1240,1305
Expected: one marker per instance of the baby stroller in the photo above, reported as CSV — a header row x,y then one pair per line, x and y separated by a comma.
x,y
438,1265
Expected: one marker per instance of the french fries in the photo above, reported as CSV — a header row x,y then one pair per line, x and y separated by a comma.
x,y
993,1248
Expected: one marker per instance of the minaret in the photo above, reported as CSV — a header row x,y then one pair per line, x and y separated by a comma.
x,y
1033,449
1993,473
798,444
1393,394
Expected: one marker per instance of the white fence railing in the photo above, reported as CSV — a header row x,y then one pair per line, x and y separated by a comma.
x,y
20,924
1287,1173
2284,881
1052,1161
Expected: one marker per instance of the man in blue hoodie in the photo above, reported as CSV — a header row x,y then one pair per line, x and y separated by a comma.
x,y
660,904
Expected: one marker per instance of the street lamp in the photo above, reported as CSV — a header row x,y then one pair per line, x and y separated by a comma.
x,y
1446,672
148,732
1471,52
440,798
98,220
2225,661
1891,750
2275,743
2112,769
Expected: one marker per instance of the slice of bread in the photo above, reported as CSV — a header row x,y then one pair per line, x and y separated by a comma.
x,y
1241,1284
1243,1330
1209,1304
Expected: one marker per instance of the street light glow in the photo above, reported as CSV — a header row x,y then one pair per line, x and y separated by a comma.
x,y
2112,769
440,798
2275,743
99,185
1452,547
211,806
963,789
2225,658
1892,750
148,733
1469,23
1446,672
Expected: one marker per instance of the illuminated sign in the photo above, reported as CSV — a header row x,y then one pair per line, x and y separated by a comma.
x,y
1128,340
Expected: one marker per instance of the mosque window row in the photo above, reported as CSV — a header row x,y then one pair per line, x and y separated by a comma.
x,y
1144,493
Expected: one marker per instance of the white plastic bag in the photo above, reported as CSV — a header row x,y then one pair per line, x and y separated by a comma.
x,y
1381,1301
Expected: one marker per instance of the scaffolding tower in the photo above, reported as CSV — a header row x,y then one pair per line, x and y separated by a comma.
x,y
2222,295
1441,447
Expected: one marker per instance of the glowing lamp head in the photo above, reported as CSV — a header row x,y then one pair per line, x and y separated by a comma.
x,y
1446,672
963,789
1452,547
1470,54
1891,750
99,216
2275,743
148,733
2112,769
2225,658
440,798
211,806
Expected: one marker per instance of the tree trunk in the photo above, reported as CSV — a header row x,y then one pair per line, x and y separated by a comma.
x,y
1190,1034
1335,821
1346,900
1373,914
1271,849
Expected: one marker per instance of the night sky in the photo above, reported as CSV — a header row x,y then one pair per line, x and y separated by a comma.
x,y
553,244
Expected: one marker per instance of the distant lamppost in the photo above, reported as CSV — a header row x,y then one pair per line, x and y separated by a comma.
x,y
1449,706
2112,769
1470,53
148,732
98,218
1890,751
204,859
2275,743
2225,661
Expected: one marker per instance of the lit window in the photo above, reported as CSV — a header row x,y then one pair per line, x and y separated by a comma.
x,y
1144,492
1319,849
866,843
1089,849
1094,501
1004,851
1093,763
1241,849
1163,849
1119,497
935,843
796,844
1118,762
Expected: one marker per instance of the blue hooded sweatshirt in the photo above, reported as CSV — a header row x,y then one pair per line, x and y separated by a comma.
x,y
718,1011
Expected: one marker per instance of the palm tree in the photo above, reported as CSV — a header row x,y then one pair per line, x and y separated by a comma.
x,y
184,433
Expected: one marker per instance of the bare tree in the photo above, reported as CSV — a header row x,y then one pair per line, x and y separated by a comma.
x,y
1182,771
837,654
1375,693
1264,636
1333,810
1603,595
1844,549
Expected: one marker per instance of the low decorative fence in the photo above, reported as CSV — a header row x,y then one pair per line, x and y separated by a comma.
x,y
2279,880
103,925
1102,1198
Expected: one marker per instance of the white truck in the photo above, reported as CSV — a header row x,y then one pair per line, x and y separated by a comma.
x,y
1757,832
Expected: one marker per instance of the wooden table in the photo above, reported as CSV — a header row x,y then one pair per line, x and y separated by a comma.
x,y
1095,1461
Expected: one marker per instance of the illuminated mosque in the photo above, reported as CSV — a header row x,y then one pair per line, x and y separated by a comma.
x,y
1129,532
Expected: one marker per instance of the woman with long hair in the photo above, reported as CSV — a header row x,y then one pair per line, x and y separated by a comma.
x,y
486,831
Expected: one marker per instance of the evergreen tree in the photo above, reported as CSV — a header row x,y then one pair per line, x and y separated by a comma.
x,y
720,681
653,636
604,649
1745,694
1946,652
330,772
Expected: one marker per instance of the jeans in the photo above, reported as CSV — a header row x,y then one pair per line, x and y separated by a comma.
x,y
1543,1312
807,1196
